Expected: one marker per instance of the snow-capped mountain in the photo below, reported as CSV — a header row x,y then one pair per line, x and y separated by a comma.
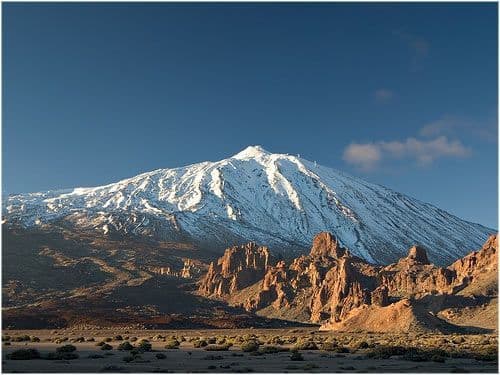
x,y
273,199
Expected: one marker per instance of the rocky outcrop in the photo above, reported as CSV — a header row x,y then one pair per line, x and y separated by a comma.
x,y
239,267
330,285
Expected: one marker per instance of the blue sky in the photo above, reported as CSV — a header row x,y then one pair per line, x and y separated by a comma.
x,y
404,95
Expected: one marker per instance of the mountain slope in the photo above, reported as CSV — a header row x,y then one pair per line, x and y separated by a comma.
x,y
276,199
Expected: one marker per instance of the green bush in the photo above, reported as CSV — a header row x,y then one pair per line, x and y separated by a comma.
x,y
24,354
329,346
61,356
66,349
118,338
106,347
100,343
172,344
385,352
362,345
272,349
200,343
21,338
217,348
250,346
125,346
306,345
144,346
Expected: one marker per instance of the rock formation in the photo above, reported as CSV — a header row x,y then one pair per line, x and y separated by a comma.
x,y
239,267
332,287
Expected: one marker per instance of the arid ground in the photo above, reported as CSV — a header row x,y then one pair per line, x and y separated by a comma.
x,y
245,350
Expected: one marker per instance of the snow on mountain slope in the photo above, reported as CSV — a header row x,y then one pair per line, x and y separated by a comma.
x,y
274,199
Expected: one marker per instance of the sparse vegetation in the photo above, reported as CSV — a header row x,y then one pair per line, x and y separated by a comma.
x,y
172,344
24,354
66,349
217,348
125,346
296,356
306,345
106,347
199,343
144,346
250,346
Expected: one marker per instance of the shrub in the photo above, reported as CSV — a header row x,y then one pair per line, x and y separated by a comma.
x,y
211,340
362,345
21,338
250,346
329,346
106,347
24,354
133,339
161,356
296,356
217,348
35,339
100,343
125,346
172,344
108,339
272,349
306,345
488,354
61,356
144,346
199,343
385,352
118,338
66,349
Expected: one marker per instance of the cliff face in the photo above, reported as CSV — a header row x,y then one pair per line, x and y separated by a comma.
x,y
238,268
330,284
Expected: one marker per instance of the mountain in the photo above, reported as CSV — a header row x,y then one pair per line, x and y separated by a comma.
x,y
276,199
332,287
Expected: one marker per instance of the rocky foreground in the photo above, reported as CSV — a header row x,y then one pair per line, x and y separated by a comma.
x,y
343,292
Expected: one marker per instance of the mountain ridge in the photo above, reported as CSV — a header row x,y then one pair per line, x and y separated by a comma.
x,y
277,199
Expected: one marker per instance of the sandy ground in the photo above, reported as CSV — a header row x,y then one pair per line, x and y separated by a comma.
x,y
190,359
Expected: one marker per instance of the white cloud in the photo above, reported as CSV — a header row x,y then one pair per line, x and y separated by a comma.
x,y
485,128
367,156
